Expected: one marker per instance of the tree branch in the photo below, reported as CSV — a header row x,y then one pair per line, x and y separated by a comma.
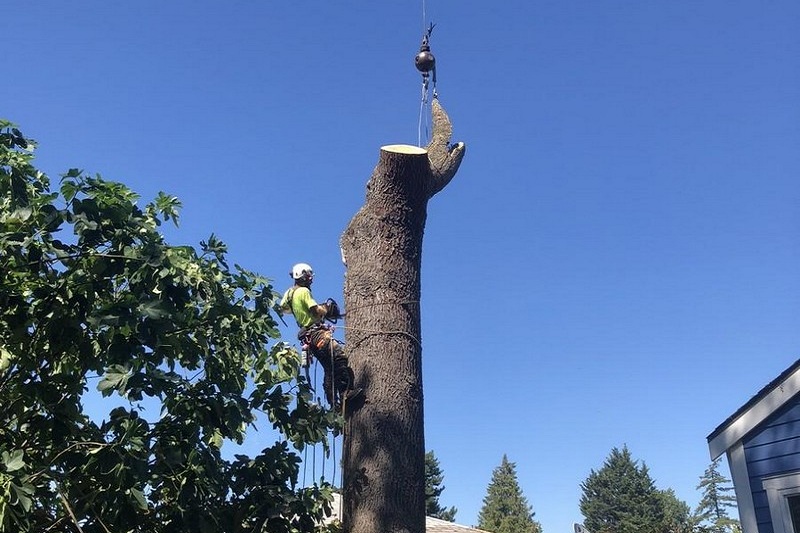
x,y
444,157
69,510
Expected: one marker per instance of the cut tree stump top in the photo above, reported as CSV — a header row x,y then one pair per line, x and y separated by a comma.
x,y
409,149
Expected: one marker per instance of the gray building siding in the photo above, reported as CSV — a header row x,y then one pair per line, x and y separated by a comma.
x,y
772,448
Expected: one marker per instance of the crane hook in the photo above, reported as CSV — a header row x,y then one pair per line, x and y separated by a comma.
x,y
424,61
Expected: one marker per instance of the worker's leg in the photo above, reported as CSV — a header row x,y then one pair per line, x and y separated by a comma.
x,y
331,355
327,386
321,346
342,371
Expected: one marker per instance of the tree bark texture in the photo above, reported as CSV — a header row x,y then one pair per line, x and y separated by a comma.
x,y
384,446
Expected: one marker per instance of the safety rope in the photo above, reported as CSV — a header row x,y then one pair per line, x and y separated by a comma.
x,y
345,442
305,465
314,469
423,118
343,432
423,99
314,445
386,332
381,304
333,397
426,64
333,453
324,458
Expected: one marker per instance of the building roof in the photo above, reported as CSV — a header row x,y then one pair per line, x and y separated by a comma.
x,y
766,401
432,525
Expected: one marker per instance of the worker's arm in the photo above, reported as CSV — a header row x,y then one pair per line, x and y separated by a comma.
x,y
286,303
320,310
303,300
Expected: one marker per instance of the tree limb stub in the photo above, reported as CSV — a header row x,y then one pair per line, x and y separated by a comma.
x,y
444,157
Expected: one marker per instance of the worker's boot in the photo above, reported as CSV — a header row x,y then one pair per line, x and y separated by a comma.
x,y
327,386
348,399
353,394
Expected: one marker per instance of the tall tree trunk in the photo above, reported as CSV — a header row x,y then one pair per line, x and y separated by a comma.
x,y
384,445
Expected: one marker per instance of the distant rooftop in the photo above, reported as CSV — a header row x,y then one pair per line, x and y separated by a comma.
x,y
755,399
767,401
432,525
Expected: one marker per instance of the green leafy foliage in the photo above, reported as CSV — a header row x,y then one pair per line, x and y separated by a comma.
x,y
621,497
505,509
183,349
434,488
715,501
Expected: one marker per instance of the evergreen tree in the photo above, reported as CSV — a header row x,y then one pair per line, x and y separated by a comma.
x,y
621,497
712,511
678,517
434,488
505,509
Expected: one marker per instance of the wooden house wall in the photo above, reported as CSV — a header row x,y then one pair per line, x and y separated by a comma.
x,y
773,448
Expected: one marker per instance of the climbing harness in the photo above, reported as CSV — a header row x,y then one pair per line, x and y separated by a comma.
x,y
426,64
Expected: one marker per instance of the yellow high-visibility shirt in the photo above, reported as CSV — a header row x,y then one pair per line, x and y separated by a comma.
x,y
299,302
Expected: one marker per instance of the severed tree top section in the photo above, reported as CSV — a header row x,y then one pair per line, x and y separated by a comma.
x,y
444,157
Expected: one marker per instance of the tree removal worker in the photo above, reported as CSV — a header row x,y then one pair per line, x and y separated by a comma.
x,y
317,337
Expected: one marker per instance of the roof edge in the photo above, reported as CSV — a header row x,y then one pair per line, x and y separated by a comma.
x,y
756,410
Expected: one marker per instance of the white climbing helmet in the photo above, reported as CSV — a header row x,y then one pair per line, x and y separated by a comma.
x,y
302,271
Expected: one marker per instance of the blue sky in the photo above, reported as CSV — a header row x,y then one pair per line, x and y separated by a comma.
x,y
616,262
